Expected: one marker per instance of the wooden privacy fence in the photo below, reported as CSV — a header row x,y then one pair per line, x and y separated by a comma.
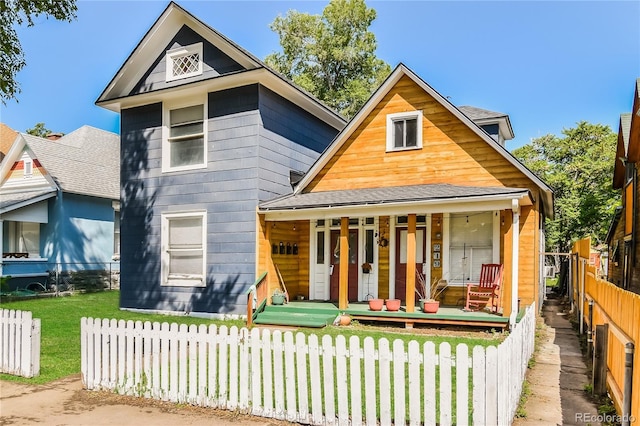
x,y
308,379
600,302
20,340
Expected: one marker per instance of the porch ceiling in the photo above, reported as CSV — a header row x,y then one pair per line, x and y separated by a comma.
x,y
415,198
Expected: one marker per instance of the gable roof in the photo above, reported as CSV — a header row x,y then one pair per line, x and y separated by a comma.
x,y
400,71
633,151
85,161
7,137
622,150
118,94
484,116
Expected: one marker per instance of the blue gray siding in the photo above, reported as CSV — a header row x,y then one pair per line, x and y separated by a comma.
x,y
290,139
216,63
254,139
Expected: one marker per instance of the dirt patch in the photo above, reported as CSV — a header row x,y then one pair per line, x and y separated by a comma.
x,y
64,402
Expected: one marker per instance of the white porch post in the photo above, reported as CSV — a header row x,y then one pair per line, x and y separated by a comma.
x,y
515,247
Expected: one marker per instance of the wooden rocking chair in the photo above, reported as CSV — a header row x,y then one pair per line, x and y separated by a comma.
x,y
485,293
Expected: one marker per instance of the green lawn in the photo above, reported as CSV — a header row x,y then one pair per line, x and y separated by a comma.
x,y
60,321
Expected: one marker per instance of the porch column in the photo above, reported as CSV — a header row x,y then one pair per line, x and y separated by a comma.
x,y
410,297
515,257
343,288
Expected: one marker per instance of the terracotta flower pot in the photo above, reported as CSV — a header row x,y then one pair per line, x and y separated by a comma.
x,y
430,306
375,304
392,305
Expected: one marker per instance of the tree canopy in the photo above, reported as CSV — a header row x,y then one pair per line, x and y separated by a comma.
x,y
579,169
14,13
331,55
39,130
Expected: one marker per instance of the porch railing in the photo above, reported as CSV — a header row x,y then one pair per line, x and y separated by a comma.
x,y
256,296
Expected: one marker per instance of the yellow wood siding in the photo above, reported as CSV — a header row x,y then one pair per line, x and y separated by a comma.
x,y
383,260
451,153
293,267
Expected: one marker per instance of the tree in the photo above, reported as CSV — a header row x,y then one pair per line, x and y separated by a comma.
x,y
579,169
331,55
39,130
14,13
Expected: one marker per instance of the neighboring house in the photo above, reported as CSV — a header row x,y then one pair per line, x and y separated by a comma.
x,y
7,136
59,202
207,132
409,170
624,232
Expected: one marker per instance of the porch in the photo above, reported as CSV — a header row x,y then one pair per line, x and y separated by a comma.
x,y
314,314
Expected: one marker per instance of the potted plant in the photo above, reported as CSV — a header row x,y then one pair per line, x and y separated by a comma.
x,y
366,268
392,305
428,301
375,304
278,297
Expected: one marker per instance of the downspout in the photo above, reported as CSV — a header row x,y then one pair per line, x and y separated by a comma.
x,y
515,256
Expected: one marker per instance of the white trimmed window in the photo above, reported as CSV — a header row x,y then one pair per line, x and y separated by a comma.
x,y
471,243
404,131
184,253
184,144
184,62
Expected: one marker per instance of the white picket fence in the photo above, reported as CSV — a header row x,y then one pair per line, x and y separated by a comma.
x,y
20,343
307,379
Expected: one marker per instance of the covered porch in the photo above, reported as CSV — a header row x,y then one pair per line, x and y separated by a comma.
x,y
314,314
350,246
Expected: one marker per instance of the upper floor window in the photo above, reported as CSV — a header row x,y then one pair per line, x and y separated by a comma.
x,y
629,171
184,144
184,62
404,131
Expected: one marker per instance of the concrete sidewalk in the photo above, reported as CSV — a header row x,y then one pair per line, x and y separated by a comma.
x,y
559,375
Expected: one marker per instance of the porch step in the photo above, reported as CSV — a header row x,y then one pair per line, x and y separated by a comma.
x,y
294,319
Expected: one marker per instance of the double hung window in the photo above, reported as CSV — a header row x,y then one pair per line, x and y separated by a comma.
x,y
184,249
184,140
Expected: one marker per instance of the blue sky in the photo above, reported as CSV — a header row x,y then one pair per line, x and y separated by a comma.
x,y
548,64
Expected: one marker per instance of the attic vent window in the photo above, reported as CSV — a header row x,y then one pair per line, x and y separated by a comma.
x,y
28,168
184,62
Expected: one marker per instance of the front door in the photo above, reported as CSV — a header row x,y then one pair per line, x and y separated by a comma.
x,y
401,259
335,265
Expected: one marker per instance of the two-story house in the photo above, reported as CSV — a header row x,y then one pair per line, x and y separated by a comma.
x,y
624,232
207,132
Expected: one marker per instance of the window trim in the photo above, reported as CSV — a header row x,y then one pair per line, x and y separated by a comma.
x,y
178,52
407,115
166,131
195,281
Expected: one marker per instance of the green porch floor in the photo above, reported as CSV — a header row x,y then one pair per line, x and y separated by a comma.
x,y
319,314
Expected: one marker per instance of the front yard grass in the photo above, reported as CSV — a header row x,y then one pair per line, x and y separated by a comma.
x,y
60,335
